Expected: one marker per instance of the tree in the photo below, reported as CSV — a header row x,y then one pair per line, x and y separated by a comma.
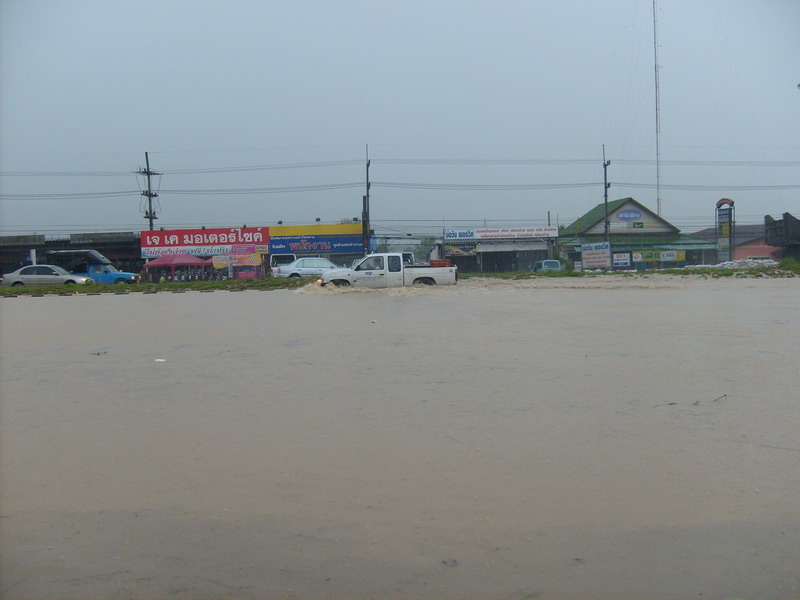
x,y
422,249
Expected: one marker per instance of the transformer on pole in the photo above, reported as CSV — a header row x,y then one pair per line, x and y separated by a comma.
x,y
150,213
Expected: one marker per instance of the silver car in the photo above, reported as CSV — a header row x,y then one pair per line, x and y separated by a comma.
x,y
304,267
43,275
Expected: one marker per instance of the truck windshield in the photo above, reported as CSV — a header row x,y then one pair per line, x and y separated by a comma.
x,y
373,263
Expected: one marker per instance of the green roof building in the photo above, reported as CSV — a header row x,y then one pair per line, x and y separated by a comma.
x,y
639,237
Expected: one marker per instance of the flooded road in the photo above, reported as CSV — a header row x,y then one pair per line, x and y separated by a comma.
x,y
550,438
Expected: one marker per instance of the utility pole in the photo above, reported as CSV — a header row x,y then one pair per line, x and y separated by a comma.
x,y
606,185
149,214
365,211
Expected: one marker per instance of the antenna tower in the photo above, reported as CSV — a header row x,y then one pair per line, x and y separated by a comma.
x,y
658,108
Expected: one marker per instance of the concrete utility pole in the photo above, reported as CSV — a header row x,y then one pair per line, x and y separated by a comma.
x,y
149,214
365,212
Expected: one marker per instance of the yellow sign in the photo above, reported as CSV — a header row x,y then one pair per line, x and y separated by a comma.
x,y
659,255
300,230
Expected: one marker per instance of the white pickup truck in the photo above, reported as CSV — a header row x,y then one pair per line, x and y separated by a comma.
x,y
389,270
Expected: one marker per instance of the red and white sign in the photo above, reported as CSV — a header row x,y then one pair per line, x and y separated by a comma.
x,y
203,242
495,233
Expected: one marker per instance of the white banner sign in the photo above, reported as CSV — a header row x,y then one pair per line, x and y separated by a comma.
x,y
622,259
499,233
596,256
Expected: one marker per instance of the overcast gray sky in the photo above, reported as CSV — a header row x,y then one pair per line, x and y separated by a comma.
x,y
471,110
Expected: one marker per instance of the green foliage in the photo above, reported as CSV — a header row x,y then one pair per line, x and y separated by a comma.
x,y
790,264
270,283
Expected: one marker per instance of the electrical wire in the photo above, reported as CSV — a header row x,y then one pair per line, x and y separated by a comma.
x,y
493,187
764,188
307,165
270,190
73,196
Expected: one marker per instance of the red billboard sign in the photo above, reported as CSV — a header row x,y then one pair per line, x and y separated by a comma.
x,y
203,242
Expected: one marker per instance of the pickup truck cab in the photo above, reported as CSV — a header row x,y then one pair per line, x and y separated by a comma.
x,y
389,270
92,264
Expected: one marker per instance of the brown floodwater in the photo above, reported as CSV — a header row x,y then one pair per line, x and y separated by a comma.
x,y
619,438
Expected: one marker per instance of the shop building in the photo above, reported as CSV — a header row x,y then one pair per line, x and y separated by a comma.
x,y
498,249
639,238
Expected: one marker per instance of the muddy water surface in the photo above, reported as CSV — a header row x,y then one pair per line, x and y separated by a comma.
x,y
561,438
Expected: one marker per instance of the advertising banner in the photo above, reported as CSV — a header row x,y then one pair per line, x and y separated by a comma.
x,y
499,233
224,261
622,259
659,256
316,244
596,256
345,238
203,242
453,250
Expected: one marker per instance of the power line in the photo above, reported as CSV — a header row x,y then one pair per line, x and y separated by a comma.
x,y
66,173
412,161
484,187
306,165
268,190
478,161
764,188
73,196
399,185
714,163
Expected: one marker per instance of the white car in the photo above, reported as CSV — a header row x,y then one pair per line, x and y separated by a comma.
x,y
43,275
304,267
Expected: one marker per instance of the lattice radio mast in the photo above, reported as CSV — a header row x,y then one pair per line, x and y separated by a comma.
x,y
658,108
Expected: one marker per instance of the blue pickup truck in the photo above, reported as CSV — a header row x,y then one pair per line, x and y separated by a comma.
x,y
90,263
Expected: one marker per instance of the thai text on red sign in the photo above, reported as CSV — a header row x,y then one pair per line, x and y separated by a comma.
x,y
204,237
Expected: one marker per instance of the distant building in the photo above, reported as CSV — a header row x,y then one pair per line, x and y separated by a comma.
x,y
785,234
749,242
121,247
498,249
639,238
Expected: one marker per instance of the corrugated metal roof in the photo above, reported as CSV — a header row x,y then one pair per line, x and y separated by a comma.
x,y
742,234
